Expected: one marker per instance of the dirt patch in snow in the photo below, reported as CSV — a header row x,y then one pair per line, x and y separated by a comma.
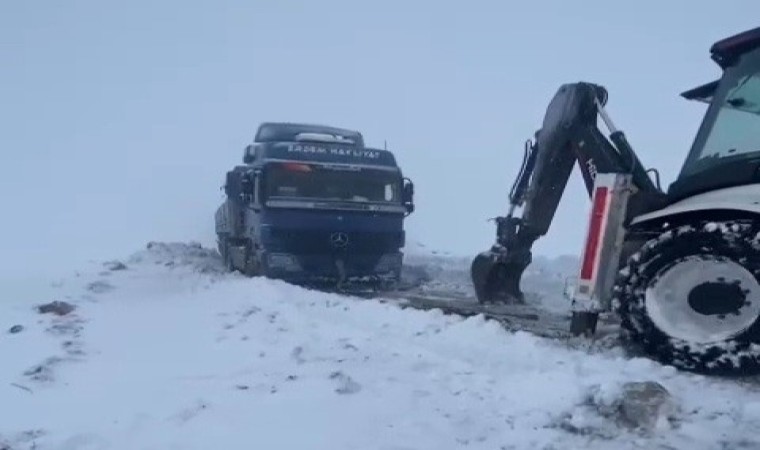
x,y
58,308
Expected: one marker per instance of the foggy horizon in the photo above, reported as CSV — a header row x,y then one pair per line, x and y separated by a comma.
x,y
119,121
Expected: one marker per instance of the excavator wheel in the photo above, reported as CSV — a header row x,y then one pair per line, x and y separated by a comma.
x,y
493,281
690,298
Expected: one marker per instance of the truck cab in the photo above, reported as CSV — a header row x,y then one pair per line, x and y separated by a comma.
x,y
313,203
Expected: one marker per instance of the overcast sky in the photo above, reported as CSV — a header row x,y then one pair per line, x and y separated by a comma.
x,y
119,119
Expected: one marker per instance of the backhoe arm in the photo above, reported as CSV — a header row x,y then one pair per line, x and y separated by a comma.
x,y
569,135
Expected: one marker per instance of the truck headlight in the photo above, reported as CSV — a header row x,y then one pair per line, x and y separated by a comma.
x,y
389,262
283,261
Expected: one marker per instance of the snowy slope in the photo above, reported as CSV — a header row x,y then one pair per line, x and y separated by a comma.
x,y
170,352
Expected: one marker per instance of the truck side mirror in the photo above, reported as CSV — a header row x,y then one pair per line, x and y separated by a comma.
x,y
231,184
249,154
246,184
407,196
240,185
256,191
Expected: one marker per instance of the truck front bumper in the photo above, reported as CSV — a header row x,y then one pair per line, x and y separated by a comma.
x,y
332,267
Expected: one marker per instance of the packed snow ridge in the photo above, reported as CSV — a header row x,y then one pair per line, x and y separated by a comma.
x,y
167,350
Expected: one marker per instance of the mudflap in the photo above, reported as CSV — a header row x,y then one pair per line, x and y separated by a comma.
x,y
340,265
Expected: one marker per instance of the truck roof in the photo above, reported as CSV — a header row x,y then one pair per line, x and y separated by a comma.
x,y
726,50
306,132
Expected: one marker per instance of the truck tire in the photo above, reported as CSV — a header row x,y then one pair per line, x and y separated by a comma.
x,y
229,264
252,266
690,297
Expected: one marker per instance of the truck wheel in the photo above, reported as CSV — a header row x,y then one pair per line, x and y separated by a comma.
x,y
691,297
252,267
227,257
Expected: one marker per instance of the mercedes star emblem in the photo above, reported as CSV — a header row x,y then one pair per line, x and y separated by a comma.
x,y
339,239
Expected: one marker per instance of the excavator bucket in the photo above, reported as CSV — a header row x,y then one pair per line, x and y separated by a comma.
x,y
496,273
496,280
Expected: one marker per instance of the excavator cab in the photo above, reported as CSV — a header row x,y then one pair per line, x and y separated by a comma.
x,y
726,150
680,267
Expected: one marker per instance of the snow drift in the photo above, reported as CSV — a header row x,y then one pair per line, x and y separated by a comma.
x,y
166,350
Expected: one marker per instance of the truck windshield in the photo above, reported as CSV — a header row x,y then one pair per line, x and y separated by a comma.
x,y
312,181
731,130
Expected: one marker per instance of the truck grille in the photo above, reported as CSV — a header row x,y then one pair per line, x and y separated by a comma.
x,y
322,241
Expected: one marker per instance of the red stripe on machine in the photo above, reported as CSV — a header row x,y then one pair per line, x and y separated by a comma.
x,y
594,232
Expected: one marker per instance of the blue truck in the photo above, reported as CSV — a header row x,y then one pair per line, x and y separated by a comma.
x,y
313,204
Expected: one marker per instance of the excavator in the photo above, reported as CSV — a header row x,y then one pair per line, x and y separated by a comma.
x,y
680,267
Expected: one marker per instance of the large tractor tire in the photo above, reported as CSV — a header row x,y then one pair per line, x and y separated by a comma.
x,y
690,298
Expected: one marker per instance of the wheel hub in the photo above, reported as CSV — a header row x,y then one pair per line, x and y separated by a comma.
x,y
704,299
701,298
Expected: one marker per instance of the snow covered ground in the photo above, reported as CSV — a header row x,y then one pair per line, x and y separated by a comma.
x,y
170,352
